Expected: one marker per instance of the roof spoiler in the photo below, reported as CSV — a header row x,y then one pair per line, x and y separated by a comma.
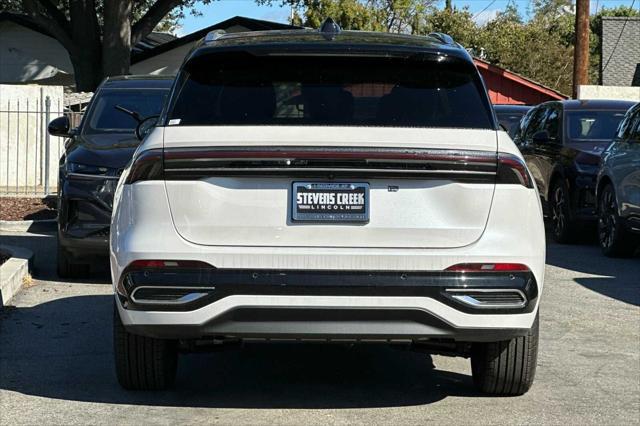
x,y
444,38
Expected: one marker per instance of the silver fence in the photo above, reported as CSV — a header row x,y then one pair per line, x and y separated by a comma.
x,y
29,156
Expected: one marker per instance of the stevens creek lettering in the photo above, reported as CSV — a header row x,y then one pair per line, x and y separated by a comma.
x,y
330,201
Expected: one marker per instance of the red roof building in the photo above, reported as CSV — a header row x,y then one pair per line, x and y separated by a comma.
x,y
506,87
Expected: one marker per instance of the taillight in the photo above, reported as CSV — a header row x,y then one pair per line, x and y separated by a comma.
x,y
146,166
488,267
512,169
162,264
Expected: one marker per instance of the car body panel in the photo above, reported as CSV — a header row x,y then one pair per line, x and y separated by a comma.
x,y
620,165
222,210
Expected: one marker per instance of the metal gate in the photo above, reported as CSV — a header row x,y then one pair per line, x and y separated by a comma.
x,y
29,156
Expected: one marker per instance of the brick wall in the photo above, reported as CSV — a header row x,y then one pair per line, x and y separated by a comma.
x,y
620,65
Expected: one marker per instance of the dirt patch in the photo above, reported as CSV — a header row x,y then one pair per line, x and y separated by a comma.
x,y
27,208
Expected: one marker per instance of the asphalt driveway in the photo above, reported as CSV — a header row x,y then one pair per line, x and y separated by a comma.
x,y
56,362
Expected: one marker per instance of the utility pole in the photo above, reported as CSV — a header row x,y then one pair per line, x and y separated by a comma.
x,y
581,52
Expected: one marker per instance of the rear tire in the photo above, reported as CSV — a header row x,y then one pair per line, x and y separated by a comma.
x,y
143,363
561,216
508,367
614,239
67,266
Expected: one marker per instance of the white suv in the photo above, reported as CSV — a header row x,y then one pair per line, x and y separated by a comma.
x,y
334,186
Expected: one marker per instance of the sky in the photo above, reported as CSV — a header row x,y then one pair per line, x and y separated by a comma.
x,y
220,10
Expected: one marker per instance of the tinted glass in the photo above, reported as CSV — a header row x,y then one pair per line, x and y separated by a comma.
x,y
104,117
634,135
552,123
592,124
348,91
510,120
535,123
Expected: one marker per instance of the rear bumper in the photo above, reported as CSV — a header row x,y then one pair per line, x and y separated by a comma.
x,y
332,318
327,305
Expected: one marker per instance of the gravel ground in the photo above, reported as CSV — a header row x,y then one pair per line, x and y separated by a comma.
x,y
17,208
56,363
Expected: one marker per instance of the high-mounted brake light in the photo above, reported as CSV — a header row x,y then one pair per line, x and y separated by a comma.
x,y
488,267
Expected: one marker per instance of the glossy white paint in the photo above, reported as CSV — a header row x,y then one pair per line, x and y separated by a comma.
x,y
446,313
255,212
507,228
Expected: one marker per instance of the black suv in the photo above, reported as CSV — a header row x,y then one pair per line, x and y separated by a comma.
x,y
562,142
95,155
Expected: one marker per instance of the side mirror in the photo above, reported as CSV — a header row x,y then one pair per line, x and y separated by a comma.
x,y
60,127
541,137
145,126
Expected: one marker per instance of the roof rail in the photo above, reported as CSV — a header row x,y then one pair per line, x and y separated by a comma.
x,y
445,38
214,35
329,29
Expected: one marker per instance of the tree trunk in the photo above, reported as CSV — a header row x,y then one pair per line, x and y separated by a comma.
x,y
87,69
87,53
116,37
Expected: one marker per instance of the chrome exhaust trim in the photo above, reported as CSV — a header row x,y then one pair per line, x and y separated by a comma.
x,y
184,295
489,298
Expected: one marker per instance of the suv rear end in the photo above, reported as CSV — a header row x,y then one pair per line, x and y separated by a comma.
x,y
345,187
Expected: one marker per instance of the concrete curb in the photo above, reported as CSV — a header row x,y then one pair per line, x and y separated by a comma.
x,y
14,271
27,225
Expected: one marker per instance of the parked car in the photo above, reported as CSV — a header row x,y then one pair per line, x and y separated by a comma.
x,y
328,185
618,190
562,142
95,154
509,116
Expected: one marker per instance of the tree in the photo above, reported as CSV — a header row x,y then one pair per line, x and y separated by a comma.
x,y
395,16
99,34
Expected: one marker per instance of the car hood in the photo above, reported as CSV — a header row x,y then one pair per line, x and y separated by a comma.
x,y
106,150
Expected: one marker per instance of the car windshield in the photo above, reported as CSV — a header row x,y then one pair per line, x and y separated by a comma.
x,y
331,90
593,124
105,118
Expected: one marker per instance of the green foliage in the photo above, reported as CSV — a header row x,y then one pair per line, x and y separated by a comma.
x,y
540,48
398,16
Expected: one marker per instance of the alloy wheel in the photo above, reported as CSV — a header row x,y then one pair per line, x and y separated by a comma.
x,y
607,220
557,211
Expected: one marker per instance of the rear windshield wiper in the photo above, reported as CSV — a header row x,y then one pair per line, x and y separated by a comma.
x,y
135,115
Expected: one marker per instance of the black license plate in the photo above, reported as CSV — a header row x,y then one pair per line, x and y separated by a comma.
x,y
330,202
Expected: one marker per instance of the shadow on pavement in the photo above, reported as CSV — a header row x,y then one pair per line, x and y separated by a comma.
x,y
615,278
63,349
44,248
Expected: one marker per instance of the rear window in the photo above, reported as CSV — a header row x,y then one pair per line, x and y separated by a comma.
x,y
326,90
593,124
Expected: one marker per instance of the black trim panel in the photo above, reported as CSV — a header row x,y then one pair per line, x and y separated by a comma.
x,y
228,282
329,162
